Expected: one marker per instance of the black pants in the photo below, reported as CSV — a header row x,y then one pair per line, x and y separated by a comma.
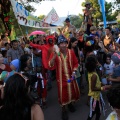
x,y
97,112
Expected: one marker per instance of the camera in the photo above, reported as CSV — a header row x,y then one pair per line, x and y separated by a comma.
x,y
33,79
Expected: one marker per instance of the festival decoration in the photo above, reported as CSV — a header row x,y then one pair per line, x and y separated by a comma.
x,y
25,18
52,18
102,8
90,42
37,33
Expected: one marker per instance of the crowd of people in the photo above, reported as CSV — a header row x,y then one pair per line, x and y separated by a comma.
x,y
28,67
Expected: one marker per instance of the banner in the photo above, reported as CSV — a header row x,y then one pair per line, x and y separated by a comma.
x,y
25,18
53,19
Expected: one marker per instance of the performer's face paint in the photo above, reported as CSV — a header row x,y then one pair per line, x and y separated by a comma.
x,y
50,41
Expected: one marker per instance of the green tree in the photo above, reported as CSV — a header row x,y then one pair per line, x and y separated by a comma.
x,y
77,20
110,15
6,8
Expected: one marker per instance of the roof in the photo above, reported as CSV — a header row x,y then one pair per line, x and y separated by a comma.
x,y
108,22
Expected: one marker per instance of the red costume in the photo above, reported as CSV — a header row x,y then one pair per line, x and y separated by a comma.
x,y
45,51
67,91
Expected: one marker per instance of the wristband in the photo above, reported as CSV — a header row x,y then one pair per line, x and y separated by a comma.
x,y
102,89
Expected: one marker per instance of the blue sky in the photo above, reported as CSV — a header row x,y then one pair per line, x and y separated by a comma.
x,y
62,7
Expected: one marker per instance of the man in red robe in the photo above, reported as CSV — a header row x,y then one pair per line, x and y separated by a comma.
x,y
66,64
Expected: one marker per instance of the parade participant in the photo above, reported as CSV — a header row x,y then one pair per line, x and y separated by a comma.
x,y
95,88
88,17
114,100
108,41
65,62
46,49
69,30
17,104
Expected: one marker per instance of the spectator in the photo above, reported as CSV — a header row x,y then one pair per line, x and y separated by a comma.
x,y
108,40
15,52
14,65
4,53
7,46
114,100
17,103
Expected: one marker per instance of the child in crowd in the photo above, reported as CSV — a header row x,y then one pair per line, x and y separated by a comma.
x,y
93,31
114,100
108,69
95,88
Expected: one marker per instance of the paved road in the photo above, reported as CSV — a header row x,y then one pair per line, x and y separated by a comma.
x,y
53,111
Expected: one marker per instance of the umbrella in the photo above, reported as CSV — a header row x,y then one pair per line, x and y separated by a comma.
x,y
37,33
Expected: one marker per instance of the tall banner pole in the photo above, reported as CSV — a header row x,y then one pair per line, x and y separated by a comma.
x,y
102,6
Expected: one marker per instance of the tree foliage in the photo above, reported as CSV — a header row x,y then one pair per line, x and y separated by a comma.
x,y
110,12
6,11
77,20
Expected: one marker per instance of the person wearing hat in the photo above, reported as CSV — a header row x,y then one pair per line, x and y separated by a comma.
x,y
66,63
88,17
69,30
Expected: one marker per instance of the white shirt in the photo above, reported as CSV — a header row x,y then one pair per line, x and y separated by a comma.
x,y
109,68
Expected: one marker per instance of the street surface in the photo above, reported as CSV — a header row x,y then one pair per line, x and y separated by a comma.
x,y
53,110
